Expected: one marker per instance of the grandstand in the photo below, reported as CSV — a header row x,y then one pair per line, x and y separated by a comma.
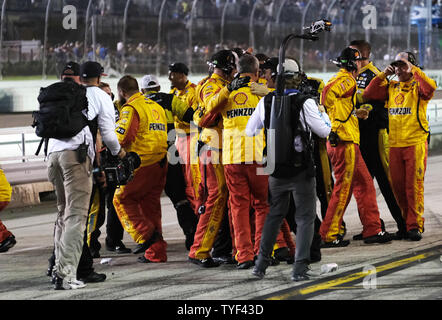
x,y
144,36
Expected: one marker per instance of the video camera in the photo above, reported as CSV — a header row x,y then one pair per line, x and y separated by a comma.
x,y
119,172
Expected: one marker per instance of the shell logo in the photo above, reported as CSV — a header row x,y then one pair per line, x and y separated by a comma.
x,y
155,114
240,98
399,99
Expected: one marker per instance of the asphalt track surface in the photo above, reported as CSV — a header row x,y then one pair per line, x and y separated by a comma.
x,y
400,270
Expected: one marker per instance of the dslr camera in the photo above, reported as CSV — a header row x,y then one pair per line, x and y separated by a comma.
x,y
119,172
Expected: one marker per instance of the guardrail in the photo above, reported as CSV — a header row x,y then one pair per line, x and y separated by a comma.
x,y
17,158
26,168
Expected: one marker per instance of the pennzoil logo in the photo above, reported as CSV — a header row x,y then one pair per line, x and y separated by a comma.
x,y
400,111
241,112
240,98
157,127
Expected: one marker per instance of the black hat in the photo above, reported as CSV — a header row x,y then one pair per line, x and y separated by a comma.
x,y
224,60
91,69
270,63
179,67
71,69
347,58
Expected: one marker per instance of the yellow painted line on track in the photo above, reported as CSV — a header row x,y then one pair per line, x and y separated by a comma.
x,y
349,278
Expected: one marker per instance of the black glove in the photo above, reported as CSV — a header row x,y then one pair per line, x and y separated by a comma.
x,y
237,83
333,138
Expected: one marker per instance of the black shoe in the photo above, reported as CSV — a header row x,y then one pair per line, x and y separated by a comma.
x,y
335,244
57,282
274,262
143,259
414,235
304,275
224,260
257,272
399,235
205,263
314,257
50,269
358,237
93,278
245,265
189,240
120,248
381,237
8,243
94,253
144,246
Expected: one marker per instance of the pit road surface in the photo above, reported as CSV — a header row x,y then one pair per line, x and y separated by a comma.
x,y
400,270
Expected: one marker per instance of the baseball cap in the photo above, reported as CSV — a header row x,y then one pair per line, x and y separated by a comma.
x,y
404,55
91,69
149,81
71,69
179,67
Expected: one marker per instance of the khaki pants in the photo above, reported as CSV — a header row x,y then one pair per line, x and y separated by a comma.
x,y
73,186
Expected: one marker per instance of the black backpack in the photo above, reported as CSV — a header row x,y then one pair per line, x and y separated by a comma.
x,y
62,113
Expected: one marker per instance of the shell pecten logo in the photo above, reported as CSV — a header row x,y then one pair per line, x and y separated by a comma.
x,y
240,98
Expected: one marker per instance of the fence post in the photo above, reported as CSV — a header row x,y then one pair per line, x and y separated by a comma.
x,y
192,13
160,23
48,7
301,54
324,58
1,38
88,10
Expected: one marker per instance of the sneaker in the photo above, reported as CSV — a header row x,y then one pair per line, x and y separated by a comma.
x,y
205,263
414,235
8,243
335,243
381,237
93,277
76,284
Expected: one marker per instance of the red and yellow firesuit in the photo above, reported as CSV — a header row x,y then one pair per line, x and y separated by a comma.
x,y
183,137
351,173
142,128
242,156
407,109
212,189
5,198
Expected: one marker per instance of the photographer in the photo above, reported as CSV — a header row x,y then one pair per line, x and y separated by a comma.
x,y
70,171
142,129
295,175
